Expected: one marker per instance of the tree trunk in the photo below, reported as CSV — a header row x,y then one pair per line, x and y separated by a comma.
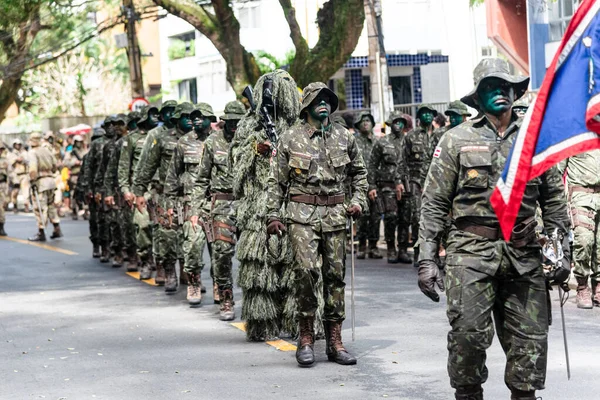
x,y
8,93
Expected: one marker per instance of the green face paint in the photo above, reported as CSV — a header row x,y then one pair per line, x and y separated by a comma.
x,y
455,119
365,125
166,114
320,110
231,126
152,119
185,123
426,117
132,125
397,126
496,96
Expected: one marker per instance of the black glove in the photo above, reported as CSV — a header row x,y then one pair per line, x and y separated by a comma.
x,y
354,211
276,228
561,272
429,275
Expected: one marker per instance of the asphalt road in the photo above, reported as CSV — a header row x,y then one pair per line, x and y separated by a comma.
x,y
73,328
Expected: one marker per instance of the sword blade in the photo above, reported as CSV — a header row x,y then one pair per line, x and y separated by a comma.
x,y
564,329
352,308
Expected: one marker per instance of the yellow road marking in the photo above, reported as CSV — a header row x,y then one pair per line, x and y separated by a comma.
x,y
40,245
279,344
136,275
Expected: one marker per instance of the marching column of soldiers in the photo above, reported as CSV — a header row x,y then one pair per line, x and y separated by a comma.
x,y
278,183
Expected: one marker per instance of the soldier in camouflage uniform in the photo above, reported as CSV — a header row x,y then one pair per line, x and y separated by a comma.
x,y
131,151
386,172
73,160
368,223
486,275
583,184
216,179
313,160
119,216
156,157
416,145
86,185
20,179
520,107
3,185
179,186
42,168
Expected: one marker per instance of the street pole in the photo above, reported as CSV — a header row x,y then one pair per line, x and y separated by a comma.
x,y
378,69
133,50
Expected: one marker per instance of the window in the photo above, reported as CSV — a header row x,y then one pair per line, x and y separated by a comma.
x,y
487,52
249,15
401,89
188,90
182,46
560,13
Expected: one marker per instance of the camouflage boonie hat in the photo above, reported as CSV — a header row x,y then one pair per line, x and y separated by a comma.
x,y
360,116
18,141
426,106
35,138
167,104
457,107
521,103
206,111
337,118
98,132
495,68
133,116
183,108
120,118
312,91
394,117
48,135
144,113
234,110
107,120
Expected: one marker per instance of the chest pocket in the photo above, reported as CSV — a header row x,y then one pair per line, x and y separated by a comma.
x,y
220,158
475,169
417,151
191,158
389,155
299,167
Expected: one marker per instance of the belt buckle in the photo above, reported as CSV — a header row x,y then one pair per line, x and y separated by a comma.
x,y
319,201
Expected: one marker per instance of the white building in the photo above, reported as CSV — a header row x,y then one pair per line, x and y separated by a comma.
x,y
432,48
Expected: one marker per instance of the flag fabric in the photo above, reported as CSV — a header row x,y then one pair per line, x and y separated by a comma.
x,y
564,119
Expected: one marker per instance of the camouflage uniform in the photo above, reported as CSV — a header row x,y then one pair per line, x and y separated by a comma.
x,y
583,183
215,179
73,160
19,176
387,170
42,167
90,163
4,175
156,156
129,158
368,224
179,186
484,274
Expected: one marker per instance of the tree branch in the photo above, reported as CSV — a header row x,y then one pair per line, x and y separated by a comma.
x,y
193,14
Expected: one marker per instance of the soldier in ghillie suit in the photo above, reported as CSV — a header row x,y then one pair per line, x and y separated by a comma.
x,y
306,190
179,187
215,179
368,224
486,274
386,184
265,281
131,151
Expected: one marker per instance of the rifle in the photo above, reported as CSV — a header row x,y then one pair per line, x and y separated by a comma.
x,y
266,121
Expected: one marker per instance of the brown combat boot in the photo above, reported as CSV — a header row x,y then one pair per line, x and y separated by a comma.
x,y
96,250
362,250
334,347
392,256
146,272
161,277
2,231
194,294
522,395
216,294
56,233
584,294
40,236
596,289
305,354
104,254
226,313
171,277
469,392
374,251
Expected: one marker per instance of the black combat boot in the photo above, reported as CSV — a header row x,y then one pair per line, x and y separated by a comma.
x,y
305,354
56,233
596,290
95,250
362,250
160,273
171,277
374,251
2,231
334,347
469,392
392,256
38,237
104,254
416,256
522,395
403,256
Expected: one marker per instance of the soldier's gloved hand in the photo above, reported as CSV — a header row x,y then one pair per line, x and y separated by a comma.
x,y
399,191
140,203
276,228
129,198
263,148
429,276
373,194
354,210
109,200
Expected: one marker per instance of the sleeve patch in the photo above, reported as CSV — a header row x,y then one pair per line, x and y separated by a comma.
x,y
438,152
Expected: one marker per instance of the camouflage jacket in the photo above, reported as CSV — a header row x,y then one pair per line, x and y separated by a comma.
x,y
18,167
92,164
582,169
73,160
131,151
3,171
111,176
365,144
156,156
183,170
416,147
214,174
309,161
386,164
463,175
42,166
434,139
107,150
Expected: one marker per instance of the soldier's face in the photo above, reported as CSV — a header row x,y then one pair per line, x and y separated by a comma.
x,y
17,146
496,96
397,126
119,128
153,118
132,125
455,119
365,125
320,109
166,114
185,123
231,125
426,117
77,144
520,111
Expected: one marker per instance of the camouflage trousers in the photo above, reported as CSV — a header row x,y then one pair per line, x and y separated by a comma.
x,y
3,189
367,226
404,216
519,309
194,241
49,213
143,229
585,209
104,217
309,247
120,221
20,187
168,240
223,247
93,221
415,207
390,216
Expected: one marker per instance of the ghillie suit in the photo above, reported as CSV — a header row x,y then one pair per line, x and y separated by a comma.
x,y
265,274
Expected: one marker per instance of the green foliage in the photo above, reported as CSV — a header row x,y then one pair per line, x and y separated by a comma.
x,y
474,3
180,49
267,62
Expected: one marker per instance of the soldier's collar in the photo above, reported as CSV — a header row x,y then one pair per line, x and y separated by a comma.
x,y
311,130
481,119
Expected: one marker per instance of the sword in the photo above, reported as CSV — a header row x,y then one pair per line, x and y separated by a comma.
x,y
352,307
562,298
36,193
